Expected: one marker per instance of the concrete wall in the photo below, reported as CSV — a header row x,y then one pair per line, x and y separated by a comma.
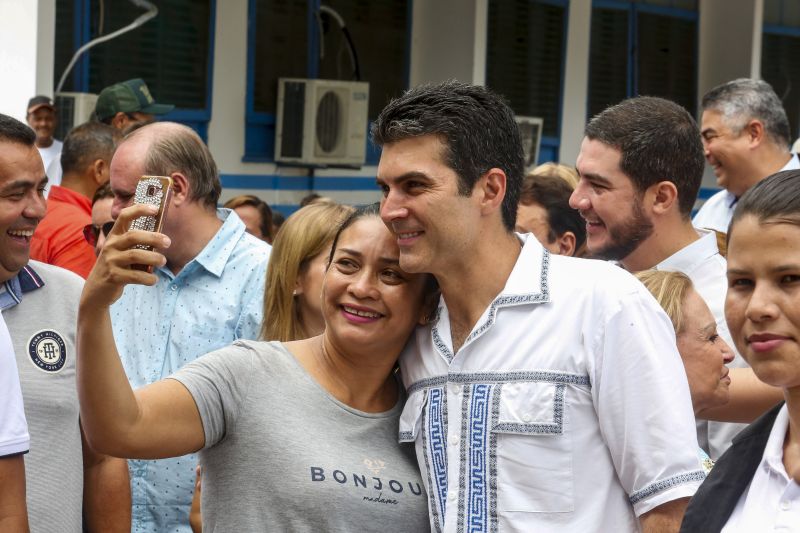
x,y
27,50
576,80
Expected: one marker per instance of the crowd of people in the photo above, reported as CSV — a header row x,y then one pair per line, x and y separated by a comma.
x,y
485,349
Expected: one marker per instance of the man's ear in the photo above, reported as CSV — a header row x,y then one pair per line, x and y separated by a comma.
x,y
120,120
100,171
664,196
180,188
755,132
566,243
493,189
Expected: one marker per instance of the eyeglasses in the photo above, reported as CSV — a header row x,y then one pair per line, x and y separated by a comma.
x,y
91,232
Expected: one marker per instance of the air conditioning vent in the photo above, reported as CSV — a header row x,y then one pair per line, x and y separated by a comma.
x,y
321,122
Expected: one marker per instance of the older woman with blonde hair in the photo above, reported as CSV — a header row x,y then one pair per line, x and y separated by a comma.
x,y
292,309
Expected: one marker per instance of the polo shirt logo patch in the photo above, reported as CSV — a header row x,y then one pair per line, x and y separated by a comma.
x,y
47,350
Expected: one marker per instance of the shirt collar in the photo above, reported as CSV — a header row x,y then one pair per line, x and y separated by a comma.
x,y
68,196
528,281
214,256
26,280
695,253
773,451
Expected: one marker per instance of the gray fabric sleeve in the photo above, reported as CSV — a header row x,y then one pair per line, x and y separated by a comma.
x,y
218,382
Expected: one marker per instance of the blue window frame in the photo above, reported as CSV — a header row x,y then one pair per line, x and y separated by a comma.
x,y
780,55
643,48
525,58
284,41
172,52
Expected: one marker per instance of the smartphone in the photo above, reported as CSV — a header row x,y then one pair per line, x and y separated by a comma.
x,y
157,191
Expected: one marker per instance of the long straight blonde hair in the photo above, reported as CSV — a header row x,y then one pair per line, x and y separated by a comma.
x,y
305,234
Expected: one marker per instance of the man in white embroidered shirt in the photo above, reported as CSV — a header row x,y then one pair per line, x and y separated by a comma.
x,y
547,393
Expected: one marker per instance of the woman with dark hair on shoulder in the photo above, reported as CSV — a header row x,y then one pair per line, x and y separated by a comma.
x,y
296,436
754,485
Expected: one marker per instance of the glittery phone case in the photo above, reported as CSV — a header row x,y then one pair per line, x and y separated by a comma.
x,y
152,190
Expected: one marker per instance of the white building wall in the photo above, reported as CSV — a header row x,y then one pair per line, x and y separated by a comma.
x,y
27,49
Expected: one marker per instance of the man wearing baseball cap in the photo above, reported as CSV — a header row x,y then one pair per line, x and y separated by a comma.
x,y
41,117
124,104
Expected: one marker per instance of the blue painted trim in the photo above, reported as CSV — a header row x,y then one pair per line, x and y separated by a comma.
x,y
789,31
297,183
251,59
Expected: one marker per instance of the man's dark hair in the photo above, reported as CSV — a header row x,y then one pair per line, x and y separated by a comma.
x,y
476,126
552,193
744,99
87,143
14,131
659,141
104,191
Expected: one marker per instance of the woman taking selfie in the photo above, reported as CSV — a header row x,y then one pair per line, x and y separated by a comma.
x,y
297,436
753,486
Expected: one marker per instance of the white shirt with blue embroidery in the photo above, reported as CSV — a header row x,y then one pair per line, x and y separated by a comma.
x,y
566,409
216,299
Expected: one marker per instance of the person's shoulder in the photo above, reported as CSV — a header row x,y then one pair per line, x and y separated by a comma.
x,y
589,273
54,275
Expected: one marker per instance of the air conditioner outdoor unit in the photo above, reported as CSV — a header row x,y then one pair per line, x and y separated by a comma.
x,y
72,109
530,129
321,122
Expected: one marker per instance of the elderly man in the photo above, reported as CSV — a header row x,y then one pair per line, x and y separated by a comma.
x,y
127,104
746,138
640,166
209,293
41,116
546,394
40,305
85,159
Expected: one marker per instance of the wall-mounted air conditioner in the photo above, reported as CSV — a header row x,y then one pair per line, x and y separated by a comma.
x,y
321,122
530,128
72,109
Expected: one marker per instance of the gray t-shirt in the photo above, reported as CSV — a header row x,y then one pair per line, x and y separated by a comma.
x,y
281,454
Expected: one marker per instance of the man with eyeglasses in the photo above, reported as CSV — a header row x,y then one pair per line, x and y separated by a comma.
x,y
85,159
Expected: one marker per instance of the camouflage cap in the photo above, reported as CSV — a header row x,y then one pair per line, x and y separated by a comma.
x,y
128,97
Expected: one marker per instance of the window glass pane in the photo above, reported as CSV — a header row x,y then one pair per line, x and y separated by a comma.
x,y
65,43
608,59
525,56
782,12
281,36
780,67
667,59
678,4
379,30
170,52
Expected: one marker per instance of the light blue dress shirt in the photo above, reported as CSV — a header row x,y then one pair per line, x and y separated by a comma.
x,y
216,299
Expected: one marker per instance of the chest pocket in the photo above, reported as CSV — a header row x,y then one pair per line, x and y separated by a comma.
x,y
534,449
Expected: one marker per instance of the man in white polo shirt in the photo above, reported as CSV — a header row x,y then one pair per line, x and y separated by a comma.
x,y
14,440
746,138
546,393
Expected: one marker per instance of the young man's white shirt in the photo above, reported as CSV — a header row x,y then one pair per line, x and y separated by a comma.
x,y
707,269
51,157
717,211
567,407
